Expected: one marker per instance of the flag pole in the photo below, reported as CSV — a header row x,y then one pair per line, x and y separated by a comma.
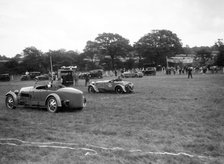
x,y
51,68
166,62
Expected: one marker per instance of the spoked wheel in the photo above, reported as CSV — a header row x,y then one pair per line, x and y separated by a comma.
x,y
118,90
10,102
91,89
52,105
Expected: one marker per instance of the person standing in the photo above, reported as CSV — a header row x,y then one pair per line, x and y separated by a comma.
x,y
87,78
189,71
115,72
76,79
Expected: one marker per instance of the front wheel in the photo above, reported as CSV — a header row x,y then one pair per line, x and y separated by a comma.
x,y
52,105
118,90
91,89
10,102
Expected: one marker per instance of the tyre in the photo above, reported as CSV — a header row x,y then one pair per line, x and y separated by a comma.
x,y
52,105
10,102
91,89
118,90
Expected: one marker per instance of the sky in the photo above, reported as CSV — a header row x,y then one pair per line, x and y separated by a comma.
x,y
69,24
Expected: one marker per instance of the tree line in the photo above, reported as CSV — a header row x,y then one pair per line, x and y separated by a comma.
x,y
112,51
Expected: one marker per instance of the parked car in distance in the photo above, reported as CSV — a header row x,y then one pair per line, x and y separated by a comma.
x,y
42,77
4,77
34,74
132,74
97,73
149,71
82,75
25,77
30,76
54,97
115,85
93,74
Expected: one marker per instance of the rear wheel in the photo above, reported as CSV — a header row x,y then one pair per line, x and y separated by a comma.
x,y
118,90
91,89
52,105
10,102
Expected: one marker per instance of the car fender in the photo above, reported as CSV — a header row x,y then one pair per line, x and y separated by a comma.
x,y
15,97
94,87
123,87
58,99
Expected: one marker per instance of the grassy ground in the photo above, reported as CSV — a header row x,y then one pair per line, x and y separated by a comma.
x,y
169,119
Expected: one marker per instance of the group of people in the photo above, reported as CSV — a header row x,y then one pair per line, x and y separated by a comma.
x,y
179,70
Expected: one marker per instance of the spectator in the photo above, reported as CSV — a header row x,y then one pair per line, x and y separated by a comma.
x,y
118,79
115,72
87,78
76,79
189,71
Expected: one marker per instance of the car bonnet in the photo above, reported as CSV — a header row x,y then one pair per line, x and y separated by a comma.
x,y
70,90
26,89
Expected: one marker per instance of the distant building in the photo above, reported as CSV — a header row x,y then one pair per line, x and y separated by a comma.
x,y
182,58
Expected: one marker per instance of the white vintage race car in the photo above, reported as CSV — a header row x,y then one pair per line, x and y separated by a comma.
x,y
115,85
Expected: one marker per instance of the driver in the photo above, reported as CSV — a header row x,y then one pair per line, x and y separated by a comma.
x,y
58,84
118,78
49,85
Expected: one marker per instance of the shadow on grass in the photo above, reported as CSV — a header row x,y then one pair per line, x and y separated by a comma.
x,y
38,109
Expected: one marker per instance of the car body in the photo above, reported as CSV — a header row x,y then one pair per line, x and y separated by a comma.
x,y
115,85
132,74
97,73
43,77
93,74
82,75
149,71
25,77
4,77
30,76
52,96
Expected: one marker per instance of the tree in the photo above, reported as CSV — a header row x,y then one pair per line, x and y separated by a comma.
x,y
188,50
91,50
112,45
155,46
220,58
204,54
32,60
62,57
12,66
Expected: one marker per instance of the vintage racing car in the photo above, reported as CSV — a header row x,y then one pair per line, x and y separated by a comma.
x,y
115,85
132,74
149,71
52,96
4,77
42,77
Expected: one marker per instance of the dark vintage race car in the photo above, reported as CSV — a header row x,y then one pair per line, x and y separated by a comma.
x,y
52,96
131,74
30,76
149,71
93,74
4,77
115,85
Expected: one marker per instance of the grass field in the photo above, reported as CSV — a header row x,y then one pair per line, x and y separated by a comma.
x,y
169,119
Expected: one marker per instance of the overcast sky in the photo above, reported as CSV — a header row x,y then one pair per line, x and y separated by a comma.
x,y
69,24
